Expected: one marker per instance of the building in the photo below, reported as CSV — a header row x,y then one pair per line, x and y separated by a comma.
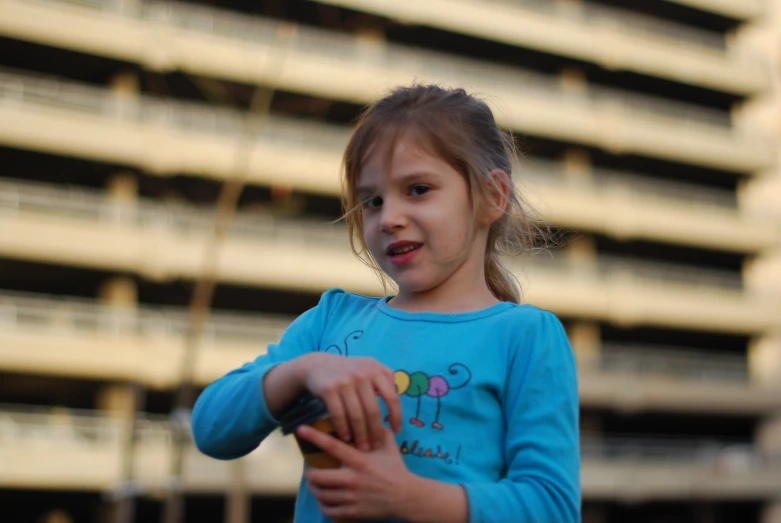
x,y
650,127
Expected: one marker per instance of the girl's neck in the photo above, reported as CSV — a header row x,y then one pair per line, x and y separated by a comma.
x,y
446,299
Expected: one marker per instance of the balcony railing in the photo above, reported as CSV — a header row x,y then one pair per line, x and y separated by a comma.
x,y
633,24
420,63
708,454
683,363
84,206
46,314
638,186
46,91
24,425
87,316
203,118
448,68
587,13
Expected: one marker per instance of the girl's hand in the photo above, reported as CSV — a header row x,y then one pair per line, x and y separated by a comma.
x,y
349,387
369,485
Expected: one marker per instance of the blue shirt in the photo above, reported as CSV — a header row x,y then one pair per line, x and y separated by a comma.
x,y
489,401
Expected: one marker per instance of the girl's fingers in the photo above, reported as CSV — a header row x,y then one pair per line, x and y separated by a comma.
x,y
372,413
355,417
346,511
330,496
387,392
338,415
341,478
343,452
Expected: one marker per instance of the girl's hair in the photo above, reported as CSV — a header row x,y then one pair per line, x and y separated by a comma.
x,y
461,130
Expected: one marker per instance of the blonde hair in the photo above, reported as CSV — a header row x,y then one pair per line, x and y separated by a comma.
x,y
461,130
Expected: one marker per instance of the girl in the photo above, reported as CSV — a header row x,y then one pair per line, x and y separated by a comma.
x,y
480,392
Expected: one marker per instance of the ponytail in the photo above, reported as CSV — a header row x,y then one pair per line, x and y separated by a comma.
x,y
501,282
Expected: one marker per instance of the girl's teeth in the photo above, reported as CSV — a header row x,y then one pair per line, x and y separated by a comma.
x,y
403,250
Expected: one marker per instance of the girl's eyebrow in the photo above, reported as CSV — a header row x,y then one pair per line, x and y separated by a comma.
x,y
414,176
365,191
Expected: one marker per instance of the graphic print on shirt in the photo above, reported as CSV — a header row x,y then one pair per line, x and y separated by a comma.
x,y
354,335
419,384
423,387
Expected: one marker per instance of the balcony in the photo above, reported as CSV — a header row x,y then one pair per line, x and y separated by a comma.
x,y
214,43
82,450
67,337
744,10
164,243
634,469
612,38
170,137
633,378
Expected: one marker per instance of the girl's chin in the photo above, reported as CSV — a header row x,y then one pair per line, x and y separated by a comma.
x,y
412,285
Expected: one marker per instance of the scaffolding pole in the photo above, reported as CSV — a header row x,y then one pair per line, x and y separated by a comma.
x,y
237,509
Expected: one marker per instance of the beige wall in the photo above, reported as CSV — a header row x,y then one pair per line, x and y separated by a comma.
x,y
357,71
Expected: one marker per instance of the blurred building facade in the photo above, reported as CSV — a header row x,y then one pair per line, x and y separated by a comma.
x,y
651,128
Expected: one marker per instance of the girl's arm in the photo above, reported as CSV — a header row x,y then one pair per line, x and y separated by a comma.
x,y
431,501
236,412
542,452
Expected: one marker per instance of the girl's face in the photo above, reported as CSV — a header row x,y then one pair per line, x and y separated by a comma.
x,y
419,222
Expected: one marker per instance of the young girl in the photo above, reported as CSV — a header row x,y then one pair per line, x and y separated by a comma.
x,y
480,393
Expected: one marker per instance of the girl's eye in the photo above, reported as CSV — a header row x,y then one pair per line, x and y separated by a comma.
x,y
419,190
373,203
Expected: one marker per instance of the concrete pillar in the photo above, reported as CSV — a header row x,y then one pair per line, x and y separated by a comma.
x,y
116,400
760,195
771,513
763,273
594,514
582,251
768,439
764,362
373,35
585,338
577,165
573,80
285,202
124,86
119,292
122,190
125,82
590,423
56,516
123,186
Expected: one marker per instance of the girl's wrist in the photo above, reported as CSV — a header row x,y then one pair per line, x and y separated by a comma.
x,y
406,507
302,368
430,501
285,382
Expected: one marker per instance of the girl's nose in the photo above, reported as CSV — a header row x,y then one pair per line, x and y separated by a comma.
x,y
393,216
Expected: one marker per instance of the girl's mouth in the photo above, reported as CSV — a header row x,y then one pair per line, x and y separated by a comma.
x,y
402,253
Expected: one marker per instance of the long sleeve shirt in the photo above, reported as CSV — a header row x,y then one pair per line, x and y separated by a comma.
x,y
489,401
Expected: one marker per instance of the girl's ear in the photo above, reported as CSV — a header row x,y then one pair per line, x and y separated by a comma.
x,y
497,196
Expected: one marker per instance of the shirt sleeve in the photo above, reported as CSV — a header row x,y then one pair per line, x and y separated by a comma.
x,y
231,418
540,404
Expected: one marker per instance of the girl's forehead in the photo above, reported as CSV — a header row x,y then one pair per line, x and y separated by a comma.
x,y
389,158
